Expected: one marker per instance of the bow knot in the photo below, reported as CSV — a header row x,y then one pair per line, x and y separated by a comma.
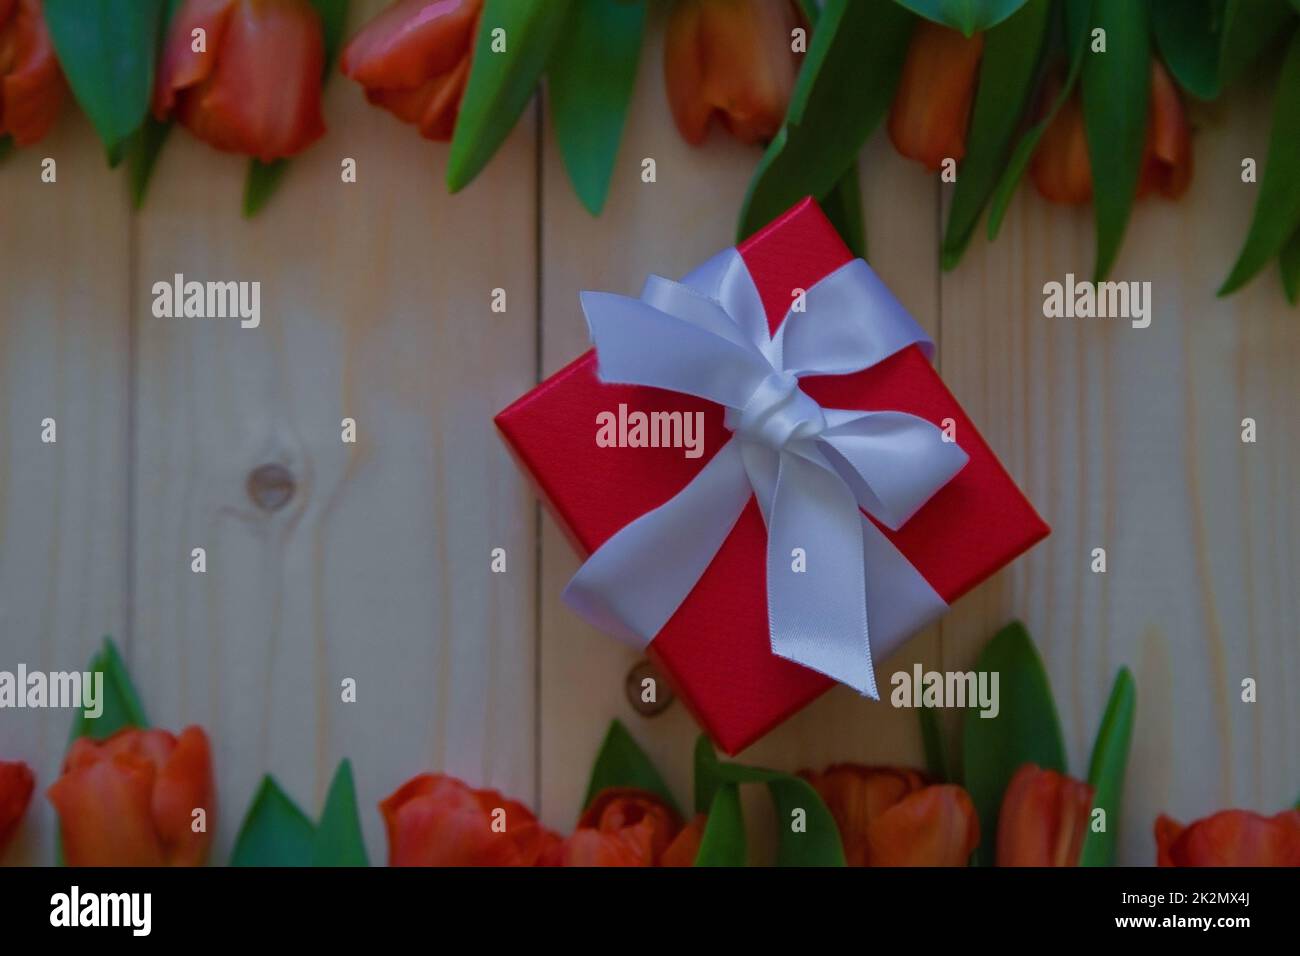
x,y
778,412
810,468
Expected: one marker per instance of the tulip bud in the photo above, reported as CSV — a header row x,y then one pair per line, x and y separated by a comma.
x,y
252,83
624,827
1230,838
1167,160
130,800
893,817
733,59
931,110
16,784
1044,819
436,820
413,60
31,83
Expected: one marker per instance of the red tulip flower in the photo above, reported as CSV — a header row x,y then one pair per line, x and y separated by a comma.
x,y
1044,819
732,59
931,110
436,820
31,83
16,784
895,817
629,827
1230,838
414,59
251,81
130,800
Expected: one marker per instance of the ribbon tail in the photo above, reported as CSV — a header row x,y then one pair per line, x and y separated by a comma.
x,y
817,608
634,583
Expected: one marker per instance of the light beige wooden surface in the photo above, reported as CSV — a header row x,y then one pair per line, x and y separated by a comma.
x,y
376,307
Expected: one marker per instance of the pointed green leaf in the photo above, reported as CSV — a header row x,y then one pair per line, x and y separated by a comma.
x,y
501,84
1106,769
107,51
1207,44
817,844
843,90
146,147
843,207
1012,51
724,843
622,763
274,832
1277,208
1076,14
121,704
968,16
1026,729
590,77
6,147
1289,262
1116,88
338,840
334,24
936,752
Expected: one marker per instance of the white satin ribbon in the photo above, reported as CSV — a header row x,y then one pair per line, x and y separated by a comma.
x,y
811,468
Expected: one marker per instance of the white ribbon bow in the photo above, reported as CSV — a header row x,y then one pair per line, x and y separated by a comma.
x,y
811,468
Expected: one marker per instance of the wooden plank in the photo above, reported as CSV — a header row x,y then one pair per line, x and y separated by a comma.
x,y
1129,439
376,306
667,227
64,306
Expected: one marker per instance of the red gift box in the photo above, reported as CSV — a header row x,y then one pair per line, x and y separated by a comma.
x,y
716,649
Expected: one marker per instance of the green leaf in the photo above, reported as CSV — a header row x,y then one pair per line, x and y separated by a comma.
x,y
264,179
274,832
1289,262
6,147
1116,89
261,184
817,845
843,90
843,207
1076,14
724,843
146,146
338,840
121,704
968,16
1012,52
591,75
1207,44
936,752
1277,208
107,49
1106,770
1026,729
501,84
622,763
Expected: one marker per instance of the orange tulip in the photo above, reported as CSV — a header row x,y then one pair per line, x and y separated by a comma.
x,y
129,800
893,817
31,83
1061,168
931,110
1167,163
732,58
413,60
255,86
16,782
436,820
1043,820
1230,838
625,827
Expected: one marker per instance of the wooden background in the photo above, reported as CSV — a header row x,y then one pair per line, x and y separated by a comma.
x,y
375,300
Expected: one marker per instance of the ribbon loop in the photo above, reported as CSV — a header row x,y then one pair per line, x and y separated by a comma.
x,y
811,468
